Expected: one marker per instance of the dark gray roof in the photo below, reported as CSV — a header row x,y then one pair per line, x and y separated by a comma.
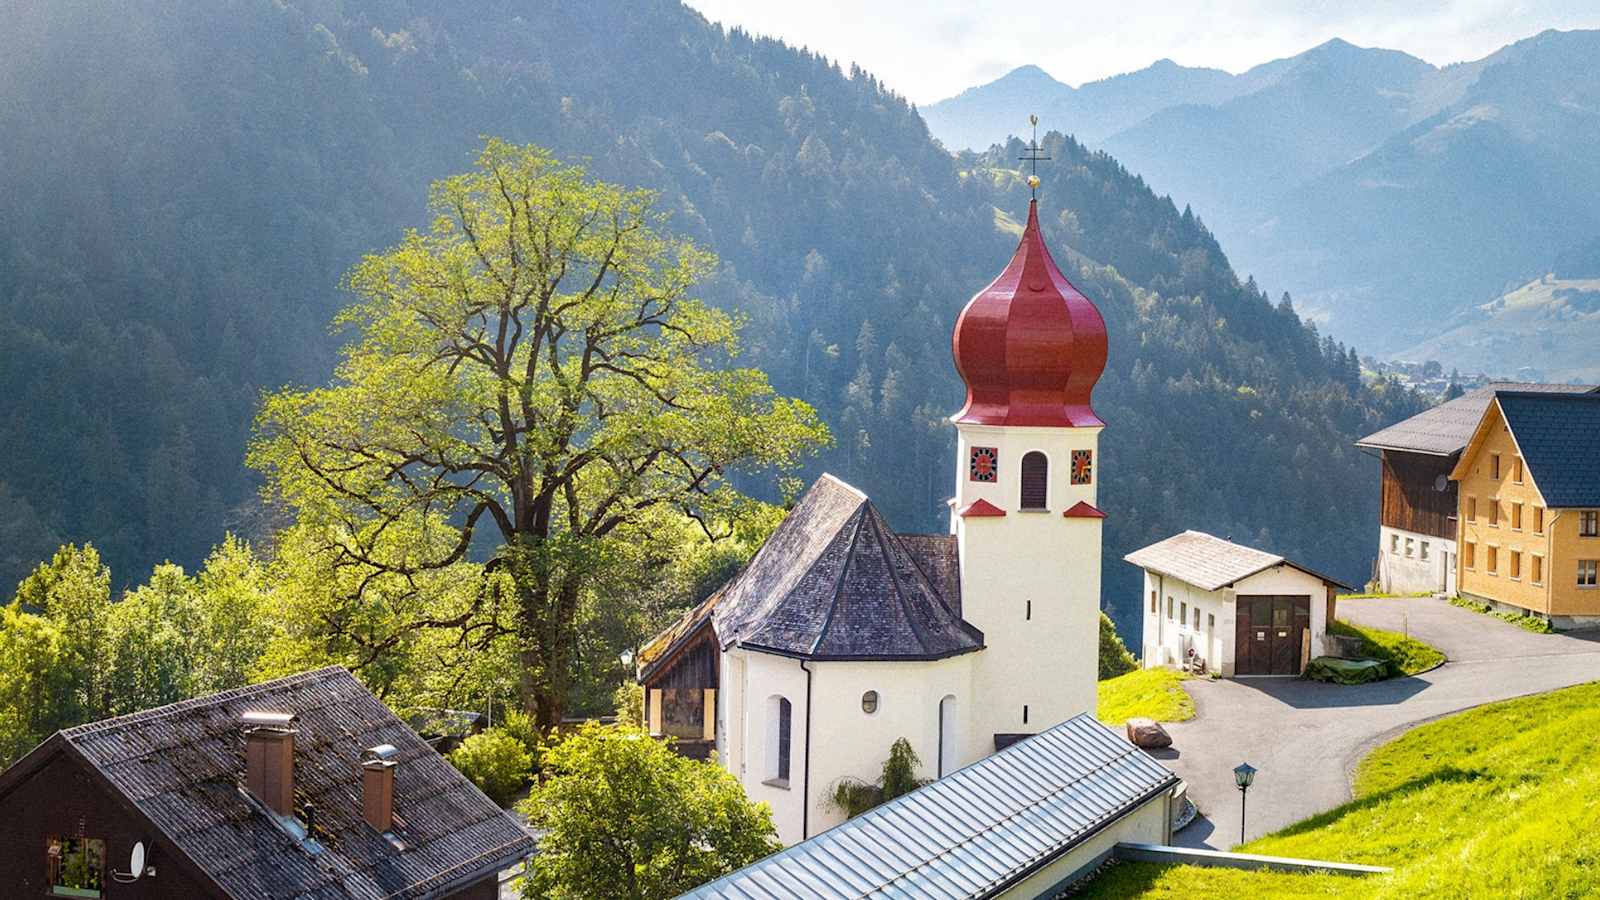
x,y
972,833
182,767
1559,436
1446,428
1209,562
833,582
936,555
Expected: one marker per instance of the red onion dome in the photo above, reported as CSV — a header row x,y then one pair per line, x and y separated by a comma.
x,y
1030,346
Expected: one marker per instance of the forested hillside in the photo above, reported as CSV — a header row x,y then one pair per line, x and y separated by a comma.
x,y
187,181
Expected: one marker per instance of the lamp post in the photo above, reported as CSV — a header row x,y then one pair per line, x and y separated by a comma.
x,y
1243,775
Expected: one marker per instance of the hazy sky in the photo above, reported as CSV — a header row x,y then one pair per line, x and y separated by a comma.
x,y
930,49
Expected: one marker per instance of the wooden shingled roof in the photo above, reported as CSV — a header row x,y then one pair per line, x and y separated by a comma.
x,y
181,767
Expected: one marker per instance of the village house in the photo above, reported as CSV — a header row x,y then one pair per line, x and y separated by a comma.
x,y
1529,486
1417,519
842,636
1231,609
306,786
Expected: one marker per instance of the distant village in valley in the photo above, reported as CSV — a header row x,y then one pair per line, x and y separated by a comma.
x,y
609,451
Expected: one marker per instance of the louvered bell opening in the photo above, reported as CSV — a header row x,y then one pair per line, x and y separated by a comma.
x,y
1035,480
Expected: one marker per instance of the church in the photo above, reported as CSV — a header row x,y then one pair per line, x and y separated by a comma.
x,y
841,636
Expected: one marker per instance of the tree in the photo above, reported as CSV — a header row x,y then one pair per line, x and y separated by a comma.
x,y
535,361
496,761
852,796
1114,656
626,817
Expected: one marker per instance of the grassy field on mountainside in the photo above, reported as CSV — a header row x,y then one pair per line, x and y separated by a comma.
x,y
1493,802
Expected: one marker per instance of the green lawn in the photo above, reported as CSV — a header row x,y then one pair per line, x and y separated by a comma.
x,y
1494,802
1405,655
1155,693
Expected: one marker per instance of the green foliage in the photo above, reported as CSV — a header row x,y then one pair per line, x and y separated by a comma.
x,y
628,818
629,700
534,363
1404,655
1532,623
1153,693
1484,804
497,761
852,796
1114,656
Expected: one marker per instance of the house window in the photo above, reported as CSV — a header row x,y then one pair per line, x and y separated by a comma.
x,y
1588,572
1183,613
1035,480
1494,466
1211,623
1589,523
1152,603
1469,552
1197,618
1394,543
1493,561
1082,466
1516,517
1410,547
1536,568
1169,609
1516,469
1424,553
1516,564
780,714
1494,512
76,867
1538,520
1472,509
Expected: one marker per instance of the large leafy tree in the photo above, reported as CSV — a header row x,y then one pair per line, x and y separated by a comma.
x,y
535,362
627,818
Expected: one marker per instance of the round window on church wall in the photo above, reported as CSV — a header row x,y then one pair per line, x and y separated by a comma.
x,y
869,702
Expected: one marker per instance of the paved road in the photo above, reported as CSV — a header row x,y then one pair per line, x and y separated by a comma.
x,y
1306,737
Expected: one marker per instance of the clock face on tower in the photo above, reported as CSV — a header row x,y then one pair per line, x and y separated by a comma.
x,y
1082,466
984,464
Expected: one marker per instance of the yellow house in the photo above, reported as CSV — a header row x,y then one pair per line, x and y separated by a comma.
x,y
1529,507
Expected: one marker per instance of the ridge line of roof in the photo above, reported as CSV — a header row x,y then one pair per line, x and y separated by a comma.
x,y
844,569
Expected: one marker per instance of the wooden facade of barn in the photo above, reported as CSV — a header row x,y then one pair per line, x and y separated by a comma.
x,y
1417,493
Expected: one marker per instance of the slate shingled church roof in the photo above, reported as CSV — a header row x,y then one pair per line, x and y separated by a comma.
x,y
1446,428
1209,562
834,582
182,767
1559,436
973,833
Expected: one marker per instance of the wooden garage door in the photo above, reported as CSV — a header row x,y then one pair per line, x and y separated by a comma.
x,y
1268,632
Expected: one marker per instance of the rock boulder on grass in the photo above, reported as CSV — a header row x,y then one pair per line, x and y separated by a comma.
x,y
1148,733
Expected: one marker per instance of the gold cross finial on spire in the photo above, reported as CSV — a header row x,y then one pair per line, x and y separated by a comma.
x,y
1032,154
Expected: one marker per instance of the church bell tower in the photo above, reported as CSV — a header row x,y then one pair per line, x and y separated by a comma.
x,y
1030,348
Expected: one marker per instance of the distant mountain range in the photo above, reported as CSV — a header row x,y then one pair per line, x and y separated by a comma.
x,y
1387,195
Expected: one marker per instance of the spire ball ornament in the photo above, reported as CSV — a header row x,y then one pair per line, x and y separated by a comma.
x,y
1033,182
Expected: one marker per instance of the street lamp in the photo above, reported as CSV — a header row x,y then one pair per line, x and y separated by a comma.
x,y
1243,775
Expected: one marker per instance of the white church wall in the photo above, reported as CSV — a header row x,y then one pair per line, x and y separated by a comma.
x,y
1031,582
848,742
754,679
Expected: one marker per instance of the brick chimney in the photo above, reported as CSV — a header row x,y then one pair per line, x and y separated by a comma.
x,y
269,759
377,786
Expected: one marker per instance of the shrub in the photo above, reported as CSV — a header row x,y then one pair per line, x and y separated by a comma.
x,y
1532,623
1114,656
629,701
497,762
852,796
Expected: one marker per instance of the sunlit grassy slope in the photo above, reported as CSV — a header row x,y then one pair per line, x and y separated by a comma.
x,y
1155,693
1495,802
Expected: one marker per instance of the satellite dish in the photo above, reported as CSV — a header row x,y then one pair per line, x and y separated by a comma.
x,y
135,866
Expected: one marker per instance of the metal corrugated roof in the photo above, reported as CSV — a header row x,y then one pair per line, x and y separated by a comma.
x,y
972,833
1446,428
1209,562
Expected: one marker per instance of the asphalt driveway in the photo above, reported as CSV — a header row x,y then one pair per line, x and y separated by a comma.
x,y
1306,737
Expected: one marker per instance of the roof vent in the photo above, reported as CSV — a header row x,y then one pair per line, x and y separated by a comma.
x,y
269,758
377,786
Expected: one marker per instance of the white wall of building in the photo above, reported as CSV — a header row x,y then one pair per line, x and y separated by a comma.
x,y
746,748
1031,582
1145,825
1168,638
1411,562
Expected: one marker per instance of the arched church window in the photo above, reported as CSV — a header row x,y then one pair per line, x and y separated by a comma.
x,y
779,715
947,735
1035,480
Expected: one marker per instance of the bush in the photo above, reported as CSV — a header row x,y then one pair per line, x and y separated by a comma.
x,y
852,796
1531,623
1114,656
497,762
629,701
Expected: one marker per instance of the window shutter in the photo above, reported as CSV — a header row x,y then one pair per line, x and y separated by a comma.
x,y
1035,480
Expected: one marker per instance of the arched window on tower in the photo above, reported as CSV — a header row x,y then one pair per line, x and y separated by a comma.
x,y
1035,480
